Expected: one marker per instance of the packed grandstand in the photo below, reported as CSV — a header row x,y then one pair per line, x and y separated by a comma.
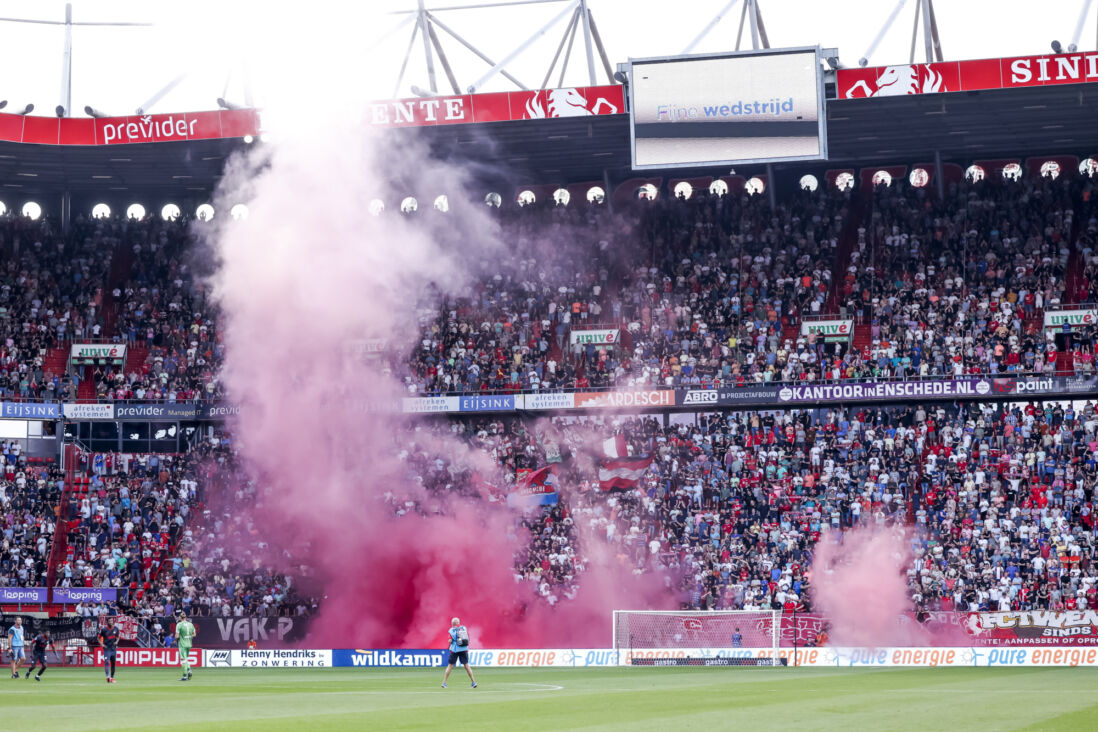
x,y
709,292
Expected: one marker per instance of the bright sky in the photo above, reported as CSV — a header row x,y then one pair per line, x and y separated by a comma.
x,y
218,44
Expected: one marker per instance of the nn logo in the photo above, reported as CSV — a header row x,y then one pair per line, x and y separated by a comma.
x,y
707,396
217,658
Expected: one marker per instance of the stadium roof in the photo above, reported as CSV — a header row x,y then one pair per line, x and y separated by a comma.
x,y
905,129
961,126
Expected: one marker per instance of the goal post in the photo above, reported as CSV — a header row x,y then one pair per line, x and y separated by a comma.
x,y
684,637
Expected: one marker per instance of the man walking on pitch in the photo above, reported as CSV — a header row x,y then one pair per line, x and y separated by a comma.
x,y
459,651
15,641
38,654
184,633
108,641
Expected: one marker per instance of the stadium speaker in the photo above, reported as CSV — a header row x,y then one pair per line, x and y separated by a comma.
x,y
620,77
3,103
1056,47
59,110
27,109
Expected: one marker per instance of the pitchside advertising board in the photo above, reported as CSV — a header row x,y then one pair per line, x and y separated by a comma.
x,y
811,657
151,657
727,109
270,658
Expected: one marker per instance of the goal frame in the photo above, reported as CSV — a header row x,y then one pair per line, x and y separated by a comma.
x,y
775,618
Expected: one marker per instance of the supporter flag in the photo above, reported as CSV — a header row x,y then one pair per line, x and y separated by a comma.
x,y
620,474
615,447
552,449
538,488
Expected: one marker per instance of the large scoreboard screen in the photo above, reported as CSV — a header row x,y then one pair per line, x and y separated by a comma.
x,y
760,106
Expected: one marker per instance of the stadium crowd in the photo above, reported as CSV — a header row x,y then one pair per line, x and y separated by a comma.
x,y
959,286
710,290
1000,500
705,291
50,293
147,526
28,495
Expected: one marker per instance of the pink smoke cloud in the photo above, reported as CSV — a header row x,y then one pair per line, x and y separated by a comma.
x,y
861,586
308,272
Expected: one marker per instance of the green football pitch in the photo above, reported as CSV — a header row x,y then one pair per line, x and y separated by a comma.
x,y
550,699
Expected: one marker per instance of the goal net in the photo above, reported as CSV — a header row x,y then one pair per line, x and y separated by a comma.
x,y
751,635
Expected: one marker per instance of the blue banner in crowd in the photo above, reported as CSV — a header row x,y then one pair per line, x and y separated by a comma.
x,y
368,658
30,410
85,594
487,403
23,594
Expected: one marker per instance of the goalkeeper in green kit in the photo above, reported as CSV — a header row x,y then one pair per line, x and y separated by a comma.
x,y
184,633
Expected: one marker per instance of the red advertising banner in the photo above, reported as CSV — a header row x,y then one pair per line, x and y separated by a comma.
x,y
626,399
1034,628
972,75
222,124
499,107
150,657
1014,628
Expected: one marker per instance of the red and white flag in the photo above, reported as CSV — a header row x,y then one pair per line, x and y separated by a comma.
x,y
615,447
619,474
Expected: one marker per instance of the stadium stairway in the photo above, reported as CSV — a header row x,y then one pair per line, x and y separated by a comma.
x,y
857,215
121,265
1065,363
1075,283
56,361
863,337
136,354
85,391
791,332
59,548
